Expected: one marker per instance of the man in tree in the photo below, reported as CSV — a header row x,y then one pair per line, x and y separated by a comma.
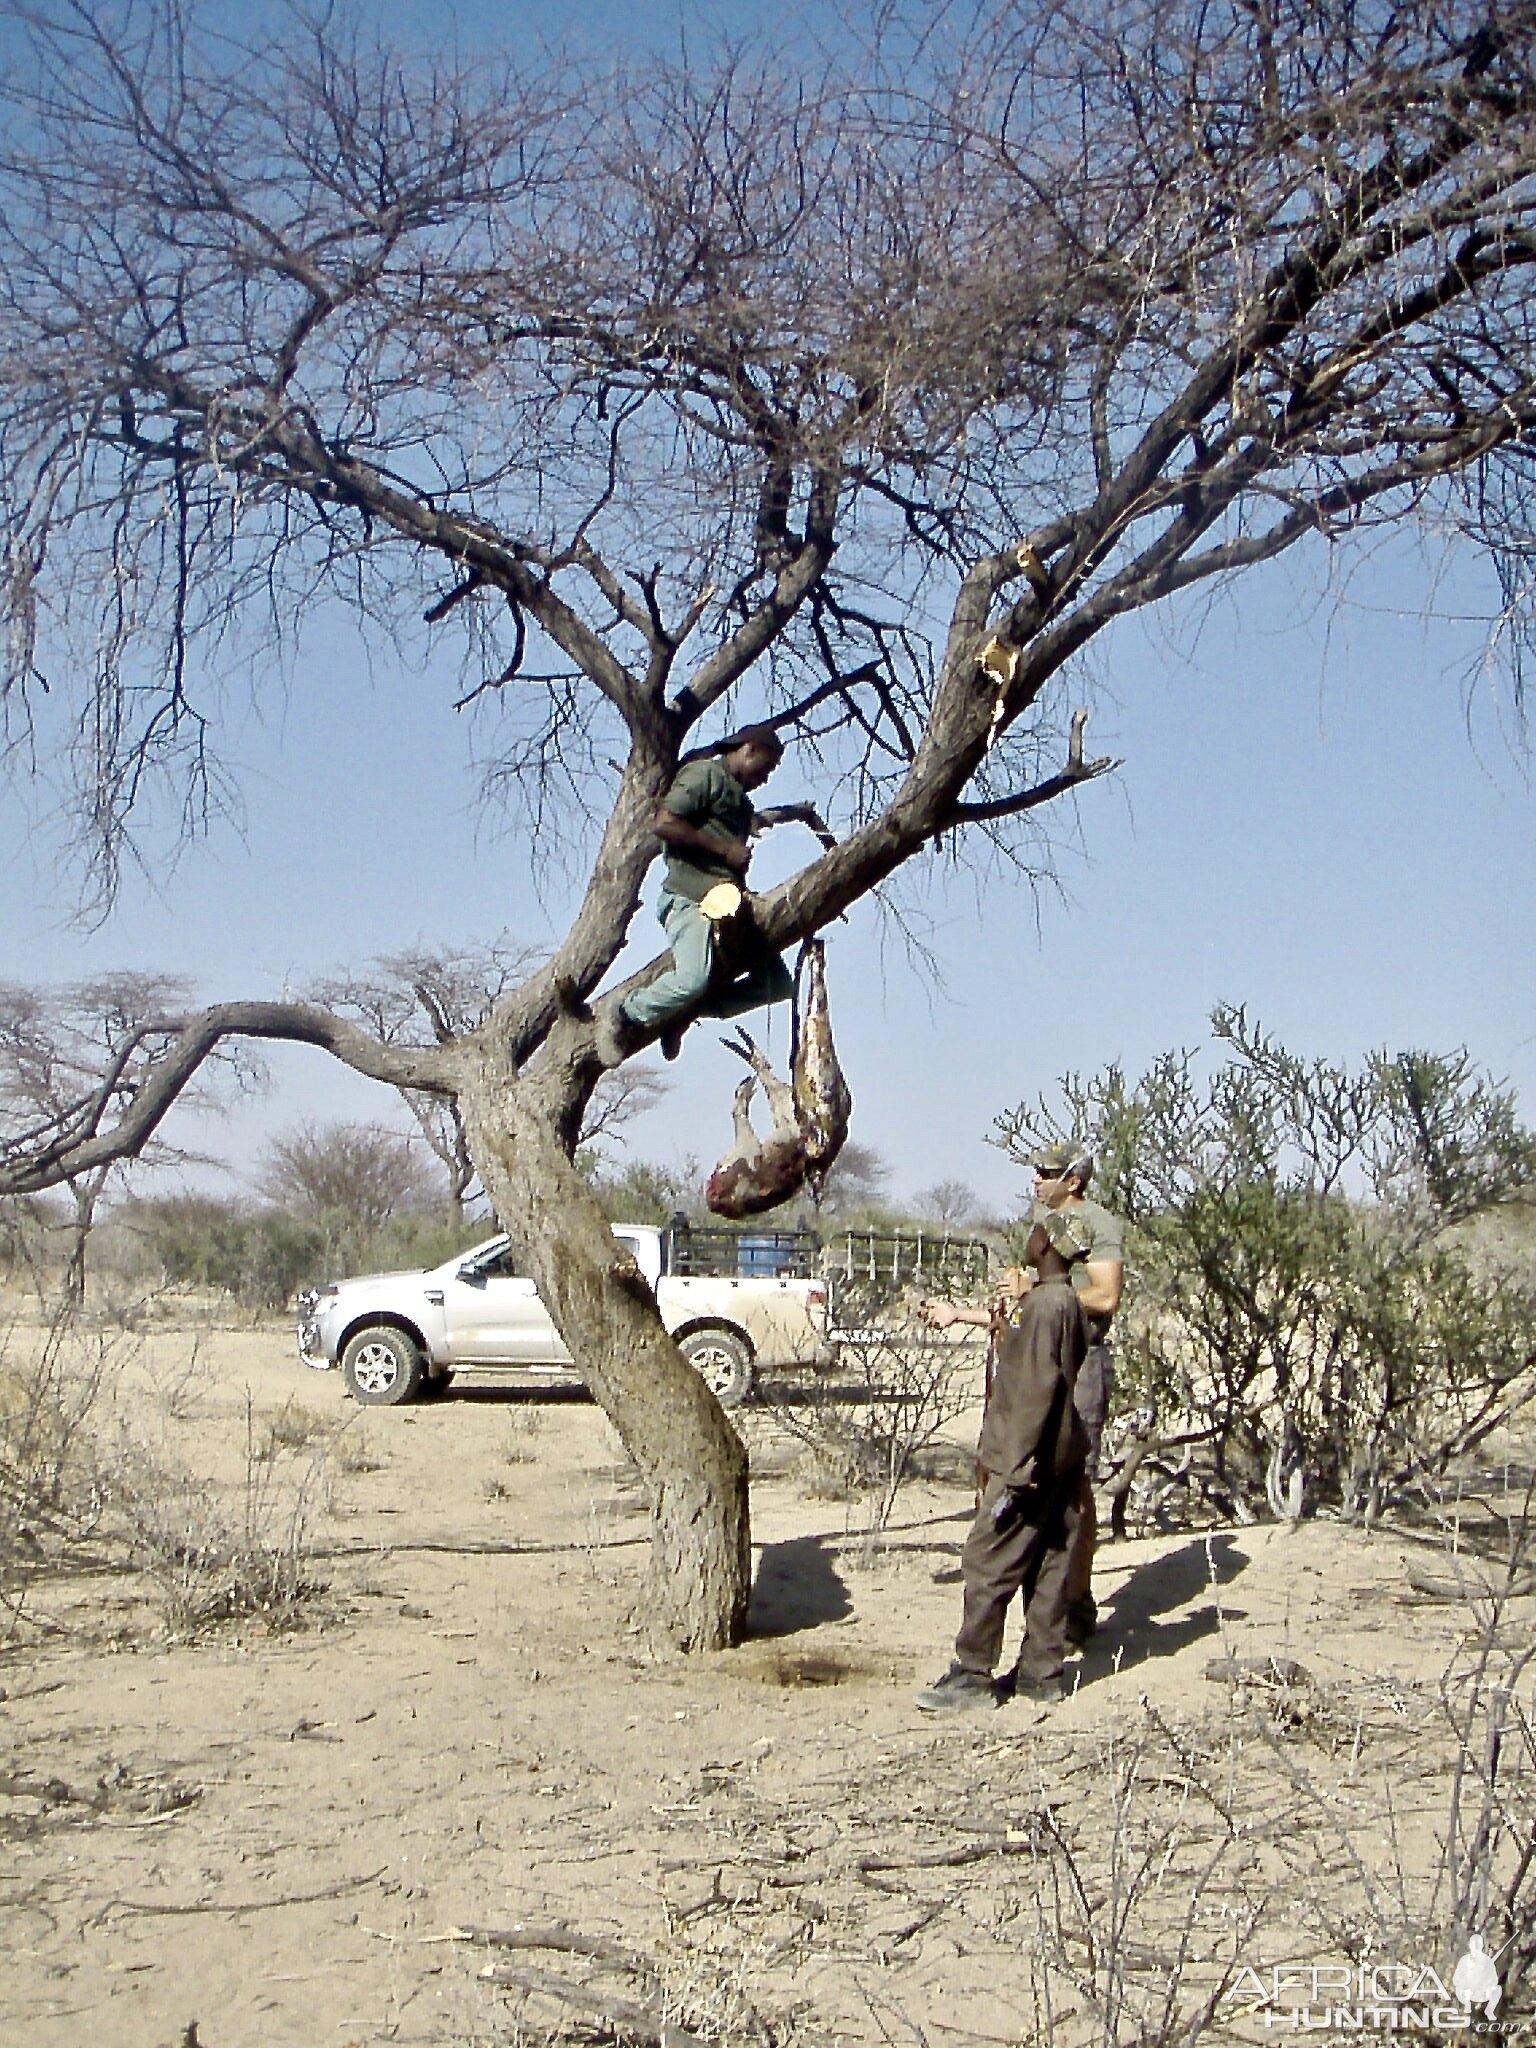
x,y
705,821
1062,1174
1031,1451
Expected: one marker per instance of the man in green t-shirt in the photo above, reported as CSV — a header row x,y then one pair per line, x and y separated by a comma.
x,y
720,966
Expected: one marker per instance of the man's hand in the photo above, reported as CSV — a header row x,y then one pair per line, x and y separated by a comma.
x,y
736,854
939,1315
1015,1283
1009,1507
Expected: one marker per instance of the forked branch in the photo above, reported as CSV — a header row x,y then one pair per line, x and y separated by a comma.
x,y
118,1120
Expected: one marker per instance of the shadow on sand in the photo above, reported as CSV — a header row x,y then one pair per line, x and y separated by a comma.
x,y
797,1586
512,1393
1130,1631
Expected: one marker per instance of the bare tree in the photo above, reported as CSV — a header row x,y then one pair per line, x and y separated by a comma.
x,y
424,998
361,1171
857,1179
948,1201
432,996
58,1049
858,391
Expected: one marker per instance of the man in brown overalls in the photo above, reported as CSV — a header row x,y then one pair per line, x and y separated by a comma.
x,y
1031,1452
1062,1174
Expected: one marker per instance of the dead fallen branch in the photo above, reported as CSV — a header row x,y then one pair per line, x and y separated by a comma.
x,y
330,1891
556,1935
1469,1586
620,2016
1017,1842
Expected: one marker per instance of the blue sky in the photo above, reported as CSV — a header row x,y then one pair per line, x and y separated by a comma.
x,y
1324,813
1321,814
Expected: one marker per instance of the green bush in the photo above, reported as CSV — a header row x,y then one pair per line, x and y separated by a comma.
x,y
645,1191
261,1257
1309,1295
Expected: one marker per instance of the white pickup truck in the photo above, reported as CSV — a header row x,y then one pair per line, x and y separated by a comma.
x,y
400,1336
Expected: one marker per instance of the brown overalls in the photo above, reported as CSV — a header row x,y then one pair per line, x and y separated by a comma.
x,y
1032,1440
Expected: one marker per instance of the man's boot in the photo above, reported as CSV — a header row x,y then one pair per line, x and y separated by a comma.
x,y
1026,1690
1082,1620
958,1692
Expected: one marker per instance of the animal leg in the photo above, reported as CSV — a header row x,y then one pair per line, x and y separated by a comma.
x,y
781,1096
747,1139
758,1173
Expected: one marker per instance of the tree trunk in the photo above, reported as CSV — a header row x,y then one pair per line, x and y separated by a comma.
x,y
691,1461
86,1193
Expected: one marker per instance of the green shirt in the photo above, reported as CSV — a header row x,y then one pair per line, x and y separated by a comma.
x,y
709,797
1107,1233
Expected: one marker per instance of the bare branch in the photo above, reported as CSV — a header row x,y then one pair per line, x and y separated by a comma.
x,y
1076,771
170,1052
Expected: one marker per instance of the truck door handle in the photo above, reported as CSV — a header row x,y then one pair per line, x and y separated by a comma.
x,y
434,1295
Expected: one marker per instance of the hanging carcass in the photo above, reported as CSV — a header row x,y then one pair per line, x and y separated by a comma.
x,y
810,1112
758,1173
823,1100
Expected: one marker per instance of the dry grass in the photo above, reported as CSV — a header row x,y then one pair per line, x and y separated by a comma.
x,y
295,1428
521,1432
91,1484
865,1436
208,1557
1096,1878
1102,1891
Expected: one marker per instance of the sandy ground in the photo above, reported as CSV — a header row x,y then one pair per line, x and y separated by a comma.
x,y
266,1841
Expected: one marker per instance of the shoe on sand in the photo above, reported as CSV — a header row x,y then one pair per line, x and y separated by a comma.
x,y
1017,1685
958,1692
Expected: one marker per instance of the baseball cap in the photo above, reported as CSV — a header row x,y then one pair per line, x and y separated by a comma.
x,y
1063,1158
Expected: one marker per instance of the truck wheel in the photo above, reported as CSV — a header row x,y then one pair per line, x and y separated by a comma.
x,y
382,1367
722,1361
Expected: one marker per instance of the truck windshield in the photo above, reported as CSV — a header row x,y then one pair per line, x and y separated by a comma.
x,y
502,1265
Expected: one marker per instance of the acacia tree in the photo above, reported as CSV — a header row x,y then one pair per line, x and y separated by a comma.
x,y
860,391
857,1179
362,1172
57,1049
947,1202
